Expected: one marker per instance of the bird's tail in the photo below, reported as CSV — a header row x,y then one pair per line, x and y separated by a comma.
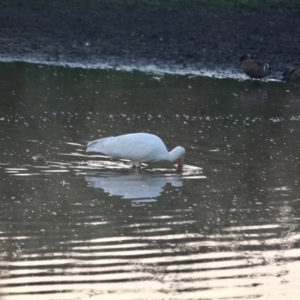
x,y
95,146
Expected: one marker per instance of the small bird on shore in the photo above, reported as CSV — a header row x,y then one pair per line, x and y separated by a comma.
x,y
292,75
137,147
254,68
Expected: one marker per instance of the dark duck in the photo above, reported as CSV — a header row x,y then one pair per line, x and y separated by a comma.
x,y
292,75
254,68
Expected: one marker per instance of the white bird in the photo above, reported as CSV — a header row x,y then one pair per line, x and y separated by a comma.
x,y
137,147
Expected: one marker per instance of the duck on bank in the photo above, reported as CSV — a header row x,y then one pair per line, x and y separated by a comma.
x,y
254,68
292,75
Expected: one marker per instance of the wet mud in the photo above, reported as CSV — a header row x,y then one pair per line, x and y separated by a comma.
x,y
167,36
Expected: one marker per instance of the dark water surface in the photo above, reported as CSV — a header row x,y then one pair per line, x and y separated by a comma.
x,y
78,226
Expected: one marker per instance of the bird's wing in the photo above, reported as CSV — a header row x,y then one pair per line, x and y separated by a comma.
x,y
291,70
128,148
261,64
296,70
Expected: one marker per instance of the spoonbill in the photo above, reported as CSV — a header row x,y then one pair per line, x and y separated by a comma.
x,y
254,68
137,147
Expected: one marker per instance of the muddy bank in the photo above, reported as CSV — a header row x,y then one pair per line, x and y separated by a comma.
x,y
187,36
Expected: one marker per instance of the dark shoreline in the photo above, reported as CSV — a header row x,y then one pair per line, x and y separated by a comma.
x,y
189,36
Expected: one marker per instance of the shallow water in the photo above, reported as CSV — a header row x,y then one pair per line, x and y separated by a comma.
x,y
75,225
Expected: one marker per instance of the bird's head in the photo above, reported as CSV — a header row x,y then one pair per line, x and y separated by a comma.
x,y
245,57
180,152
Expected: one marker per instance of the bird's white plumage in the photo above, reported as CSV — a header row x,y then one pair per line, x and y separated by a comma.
x,y
137,147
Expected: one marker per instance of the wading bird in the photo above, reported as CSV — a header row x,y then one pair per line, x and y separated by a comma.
x,y
137,147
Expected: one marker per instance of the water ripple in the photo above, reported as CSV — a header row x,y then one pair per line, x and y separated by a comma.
x,y
191,265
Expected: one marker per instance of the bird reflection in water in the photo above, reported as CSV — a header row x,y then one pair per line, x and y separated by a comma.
x,y
253,94
132,184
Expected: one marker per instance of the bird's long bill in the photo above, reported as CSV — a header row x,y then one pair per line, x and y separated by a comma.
x,y
179,165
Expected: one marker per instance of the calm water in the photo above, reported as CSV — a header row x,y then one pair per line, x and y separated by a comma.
x,y
78,226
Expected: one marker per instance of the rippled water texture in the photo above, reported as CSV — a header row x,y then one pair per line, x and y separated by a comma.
x,y
80,226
